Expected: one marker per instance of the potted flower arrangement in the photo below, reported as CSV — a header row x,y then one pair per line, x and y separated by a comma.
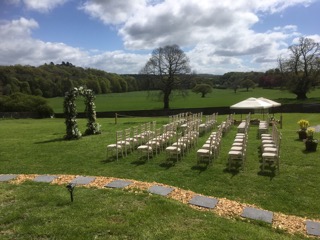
x,y
273,120
303,124
310,142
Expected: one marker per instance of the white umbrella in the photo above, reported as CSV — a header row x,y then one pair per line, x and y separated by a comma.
x,y
251,103
274,104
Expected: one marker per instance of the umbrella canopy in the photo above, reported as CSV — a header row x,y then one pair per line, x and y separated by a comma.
x,y
251,103
274,104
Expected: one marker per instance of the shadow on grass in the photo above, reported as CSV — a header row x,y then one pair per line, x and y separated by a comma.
x,y
63,139
269,171
167,164
140,161
51,140
64,203
201,168
298,140
245,90
110,159
233,171
307,152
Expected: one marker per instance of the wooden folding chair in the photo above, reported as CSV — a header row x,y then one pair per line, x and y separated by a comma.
x,y
117,147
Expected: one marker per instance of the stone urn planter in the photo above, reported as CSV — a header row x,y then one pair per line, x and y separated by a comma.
x,y
311,145
303,126
302,134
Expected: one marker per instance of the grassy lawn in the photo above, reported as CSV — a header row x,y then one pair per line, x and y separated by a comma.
x,y
36,147
42,211
143,101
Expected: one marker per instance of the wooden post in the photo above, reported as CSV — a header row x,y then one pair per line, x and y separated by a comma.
x,y
116,119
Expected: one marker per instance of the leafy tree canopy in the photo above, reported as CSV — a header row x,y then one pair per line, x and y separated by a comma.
x,y
53,80
19,102
302,67
171,65
202,88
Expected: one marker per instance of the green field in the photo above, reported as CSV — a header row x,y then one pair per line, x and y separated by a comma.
x,y
42,211
149,100
37,147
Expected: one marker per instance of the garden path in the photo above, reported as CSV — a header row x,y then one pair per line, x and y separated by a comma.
x,y
316,128
221,206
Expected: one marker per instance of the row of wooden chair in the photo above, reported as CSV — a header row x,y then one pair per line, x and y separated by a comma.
x,y
244,124
179,118
227,124
263,126
175,143
211,148
185,140
119,147
129,139
191,119
238,150
208,125
158,141
149,140
270,148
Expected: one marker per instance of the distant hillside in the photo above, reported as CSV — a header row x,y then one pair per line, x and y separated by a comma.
x,y
53,80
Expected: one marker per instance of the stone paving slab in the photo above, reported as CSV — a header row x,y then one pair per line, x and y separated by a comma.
x,y
203,201
118,184
160,190
83,180
313,228
316,128
45,178
7,177
257,214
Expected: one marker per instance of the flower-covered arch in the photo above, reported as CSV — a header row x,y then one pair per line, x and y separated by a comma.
x,y
70,112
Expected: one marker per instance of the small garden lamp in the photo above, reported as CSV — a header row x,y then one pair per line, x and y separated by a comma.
x,y
70,188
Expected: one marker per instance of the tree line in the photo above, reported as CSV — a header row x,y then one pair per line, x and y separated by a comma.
x,y
54,80
167,70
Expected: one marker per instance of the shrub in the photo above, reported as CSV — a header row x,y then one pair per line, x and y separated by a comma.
x,y
19,102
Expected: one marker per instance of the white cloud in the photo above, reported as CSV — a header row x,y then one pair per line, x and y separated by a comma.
x,y
315,38
112,11
218,36
226,27
116,61
188,23
204,60
18,47
43,5
17,28
185,23
273,6
289,28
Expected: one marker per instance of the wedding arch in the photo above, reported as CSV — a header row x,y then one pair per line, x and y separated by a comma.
x,y
70,112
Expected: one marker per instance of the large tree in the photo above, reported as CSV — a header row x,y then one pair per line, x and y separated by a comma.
x,y
302,67
247,83
202,88
170,64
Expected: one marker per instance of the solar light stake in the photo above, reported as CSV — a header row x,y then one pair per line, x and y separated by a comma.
x,y
70,188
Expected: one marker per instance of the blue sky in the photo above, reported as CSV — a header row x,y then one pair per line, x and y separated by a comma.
x,y
119,35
